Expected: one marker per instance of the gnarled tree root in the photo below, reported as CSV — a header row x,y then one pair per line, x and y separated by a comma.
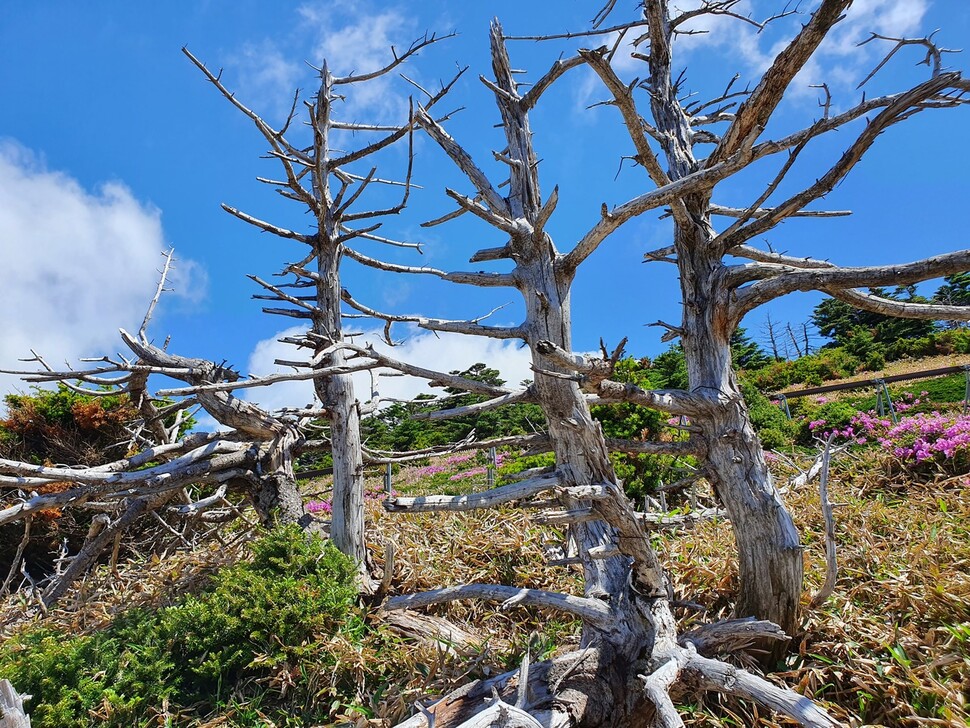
x,y
586,688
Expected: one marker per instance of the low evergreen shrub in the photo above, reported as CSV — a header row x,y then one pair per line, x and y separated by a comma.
x,y
256,621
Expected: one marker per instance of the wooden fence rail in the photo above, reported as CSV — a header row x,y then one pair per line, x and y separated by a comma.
x,y
926,374
883,401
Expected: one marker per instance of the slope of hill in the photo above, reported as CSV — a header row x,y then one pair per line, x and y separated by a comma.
x,y
890,647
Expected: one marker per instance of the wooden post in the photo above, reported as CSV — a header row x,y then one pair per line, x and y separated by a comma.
x,y
966,392
492,465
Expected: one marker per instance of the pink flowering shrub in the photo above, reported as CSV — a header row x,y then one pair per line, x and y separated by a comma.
x,y
908,401
930,437
429,470
372,492
918,440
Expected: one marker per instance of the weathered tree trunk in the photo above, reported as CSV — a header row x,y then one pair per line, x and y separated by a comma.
x,y
627,619
347,530
769,553
770,564
770,559
336,391
277,498
316,176
601,690
600,696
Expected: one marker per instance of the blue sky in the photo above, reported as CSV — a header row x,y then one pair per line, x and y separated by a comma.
x,y
113,147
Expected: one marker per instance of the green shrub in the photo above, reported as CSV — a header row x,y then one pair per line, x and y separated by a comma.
x,y
255,619
812,370
913,348
526,462
952,341
772,425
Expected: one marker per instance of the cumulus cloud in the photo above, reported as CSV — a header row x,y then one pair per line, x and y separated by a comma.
x,y
445,352
75,264
886,17
354,39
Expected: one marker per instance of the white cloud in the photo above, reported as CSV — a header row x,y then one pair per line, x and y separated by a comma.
x,y
74,264
839,61
362,42
354,39
895,18
265,79
445,352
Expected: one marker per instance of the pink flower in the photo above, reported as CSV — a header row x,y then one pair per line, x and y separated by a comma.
x,y
469,473
430,470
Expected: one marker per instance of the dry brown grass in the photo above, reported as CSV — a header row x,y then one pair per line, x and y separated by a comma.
x,y
891,647
145,581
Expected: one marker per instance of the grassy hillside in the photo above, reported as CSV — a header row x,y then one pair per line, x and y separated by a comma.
x,y
891,647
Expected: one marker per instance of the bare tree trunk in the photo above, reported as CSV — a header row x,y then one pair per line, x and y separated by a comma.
x,y
622,576
336,392
769,553
772,338
582,459
794,341
277,498
347,530
315,176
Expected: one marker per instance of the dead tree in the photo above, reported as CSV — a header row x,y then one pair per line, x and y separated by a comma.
x,y
770,332
631,658
254,455
631,664
255,452
718,293
322,179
